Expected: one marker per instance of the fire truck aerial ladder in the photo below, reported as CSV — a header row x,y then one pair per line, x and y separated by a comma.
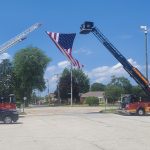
x,y
20,37
88,27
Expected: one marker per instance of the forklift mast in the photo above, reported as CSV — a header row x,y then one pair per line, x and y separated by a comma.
x,y
88,27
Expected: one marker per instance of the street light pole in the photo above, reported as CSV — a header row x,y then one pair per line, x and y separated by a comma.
x,y
48,87
71,87
48,95
144,28
58,92
146,55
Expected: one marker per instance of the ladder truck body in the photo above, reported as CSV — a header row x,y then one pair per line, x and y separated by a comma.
x,y
88,27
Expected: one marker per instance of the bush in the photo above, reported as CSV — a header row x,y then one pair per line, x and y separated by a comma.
x,y
92,101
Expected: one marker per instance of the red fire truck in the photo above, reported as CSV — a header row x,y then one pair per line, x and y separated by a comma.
x,y
130,104
7,102
8,112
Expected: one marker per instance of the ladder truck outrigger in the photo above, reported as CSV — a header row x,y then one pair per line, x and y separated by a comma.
x,y
132,103
8,113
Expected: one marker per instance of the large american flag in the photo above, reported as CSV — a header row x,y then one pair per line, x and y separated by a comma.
x,y
64,42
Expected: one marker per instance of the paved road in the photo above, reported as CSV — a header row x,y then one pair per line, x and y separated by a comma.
x,y
66,128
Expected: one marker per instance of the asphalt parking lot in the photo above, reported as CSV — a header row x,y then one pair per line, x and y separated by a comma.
x,y
75,128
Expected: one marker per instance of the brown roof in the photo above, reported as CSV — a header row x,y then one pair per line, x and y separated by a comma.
x,y
99,94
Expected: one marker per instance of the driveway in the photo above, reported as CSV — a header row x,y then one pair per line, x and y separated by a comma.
x,y
75,128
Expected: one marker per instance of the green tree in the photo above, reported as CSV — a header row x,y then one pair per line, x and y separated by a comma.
x,y
123,83
29,67
97,87
113,93
92,101
81,80
117,86
80,84
138,91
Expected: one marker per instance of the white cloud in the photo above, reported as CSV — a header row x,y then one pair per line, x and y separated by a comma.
x,y
51,68
52,73
63,64
100,74
53,82
4,56
134,63
103,74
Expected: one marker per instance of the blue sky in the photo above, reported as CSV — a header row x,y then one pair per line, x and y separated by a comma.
x,y
119,21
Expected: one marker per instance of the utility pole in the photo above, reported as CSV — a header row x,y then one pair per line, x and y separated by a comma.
x,y
47,87
71,87
58,92
145,29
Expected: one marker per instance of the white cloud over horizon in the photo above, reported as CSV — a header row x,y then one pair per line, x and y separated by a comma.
x,y
63,64
103,73
100,74
53,72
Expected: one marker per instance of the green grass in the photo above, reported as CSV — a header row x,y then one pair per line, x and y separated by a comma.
x,y
108,109
23,113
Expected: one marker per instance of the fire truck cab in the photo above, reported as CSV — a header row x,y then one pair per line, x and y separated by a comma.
x,y
133,105
8,112
8,102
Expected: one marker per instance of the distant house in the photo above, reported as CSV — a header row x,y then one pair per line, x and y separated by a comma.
x,y
52,97
99,94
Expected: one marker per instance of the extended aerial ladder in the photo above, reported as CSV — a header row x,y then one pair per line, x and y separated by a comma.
x,y
88,27
20,37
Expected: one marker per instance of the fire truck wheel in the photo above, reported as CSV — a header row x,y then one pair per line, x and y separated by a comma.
x,y
140,112
7,119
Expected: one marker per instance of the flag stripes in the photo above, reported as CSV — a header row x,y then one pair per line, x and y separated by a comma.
x,y
64,42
